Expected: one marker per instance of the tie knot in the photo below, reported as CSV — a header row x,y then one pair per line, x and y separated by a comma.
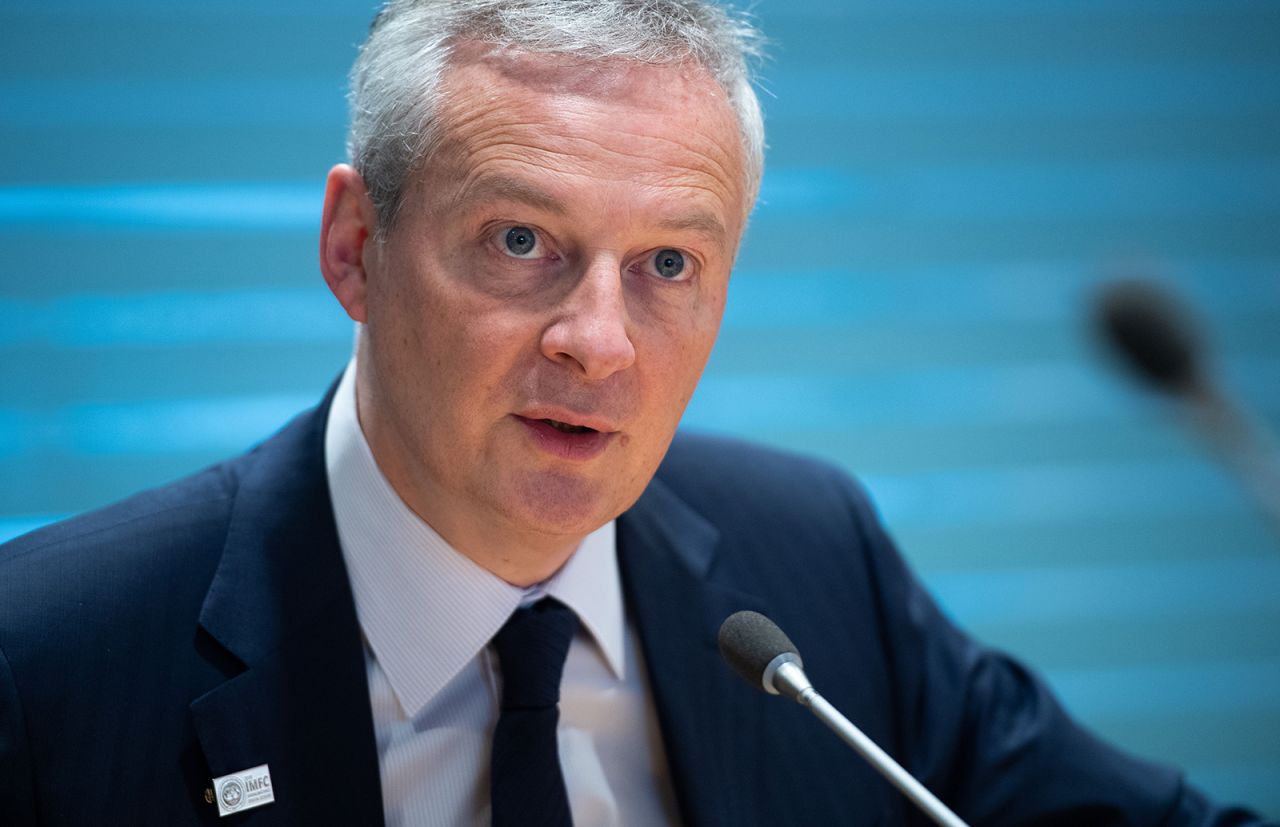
x,y
531,647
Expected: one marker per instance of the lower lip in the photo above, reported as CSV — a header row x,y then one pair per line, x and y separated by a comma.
x,y
583,446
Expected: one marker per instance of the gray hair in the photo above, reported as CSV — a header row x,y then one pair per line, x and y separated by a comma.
x,y
396,80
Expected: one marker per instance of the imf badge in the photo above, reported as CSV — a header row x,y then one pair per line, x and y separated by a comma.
x,y
243,790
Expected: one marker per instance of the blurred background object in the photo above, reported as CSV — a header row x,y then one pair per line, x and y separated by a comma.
x,y
1157,339
948,186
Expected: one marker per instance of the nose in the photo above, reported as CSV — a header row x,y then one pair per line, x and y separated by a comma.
x,y
590,331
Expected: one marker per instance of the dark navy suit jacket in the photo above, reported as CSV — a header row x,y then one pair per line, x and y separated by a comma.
x,y
208,627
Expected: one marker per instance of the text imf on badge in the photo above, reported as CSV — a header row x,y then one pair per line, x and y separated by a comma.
x,y
243,790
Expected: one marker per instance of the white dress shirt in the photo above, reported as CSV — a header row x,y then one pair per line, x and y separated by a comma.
x,y
427,614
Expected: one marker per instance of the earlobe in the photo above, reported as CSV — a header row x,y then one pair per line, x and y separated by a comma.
x,y
346,227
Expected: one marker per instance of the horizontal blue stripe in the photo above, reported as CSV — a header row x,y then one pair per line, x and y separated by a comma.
x,y
1014,91
189,426
995,291
233,206
1055,494
180,426
1022,91
1159,690
1064,594
906,9
1026,192
178,317
1152,190
1008,393
1044,292
245,11
1024,393
169,102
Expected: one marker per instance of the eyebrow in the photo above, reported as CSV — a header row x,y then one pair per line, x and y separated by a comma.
x,y
697,222
511,189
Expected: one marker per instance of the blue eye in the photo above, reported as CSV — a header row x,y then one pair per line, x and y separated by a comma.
x,y
520,241
668,263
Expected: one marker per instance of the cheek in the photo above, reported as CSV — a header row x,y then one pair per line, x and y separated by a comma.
x,y
697,351
674,316
674,360
489,351
690,334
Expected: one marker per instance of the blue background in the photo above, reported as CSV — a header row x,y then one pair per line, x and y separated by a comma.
x,y
947,184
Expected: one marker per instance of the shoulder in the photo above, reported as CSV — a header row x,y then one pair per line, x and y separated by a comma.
x,y
712,473
167,504
165,515
116,560
156,547
782,519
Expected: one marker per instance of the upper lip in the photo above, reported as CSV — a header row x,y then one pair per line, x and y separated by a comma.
x,y
568,417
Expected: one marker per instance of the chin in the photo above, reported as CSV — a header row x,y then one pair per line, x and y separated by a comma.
x,y
566,504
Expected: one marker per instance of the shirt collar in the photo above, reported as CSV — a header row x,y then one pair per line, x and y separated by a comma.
x,y
589,584
425,609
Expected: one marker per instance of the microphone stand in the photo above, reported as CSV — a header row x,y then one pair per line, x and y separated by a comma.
x,y
789,679
1243,444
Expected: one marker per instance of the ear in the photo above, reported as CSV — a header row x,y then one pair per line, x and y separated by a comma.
x,y
346,229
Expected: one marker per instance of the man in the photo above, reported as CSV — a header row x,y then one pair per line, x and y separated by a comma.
x,y
535,239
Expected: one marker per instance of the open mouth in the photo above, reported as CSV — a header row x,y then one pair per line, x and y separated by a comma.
x,y
568,440
566,428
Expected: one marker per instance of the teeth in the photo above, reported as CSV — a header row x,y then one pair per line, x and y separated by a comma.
x,y
564,427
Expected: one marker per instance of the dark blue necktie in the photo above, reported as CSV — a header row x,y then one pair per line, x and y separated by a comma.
x,y
526,786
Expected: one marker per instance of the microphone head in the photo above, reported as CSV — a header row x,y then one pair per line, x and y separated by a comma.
x,y
750,643
1153,334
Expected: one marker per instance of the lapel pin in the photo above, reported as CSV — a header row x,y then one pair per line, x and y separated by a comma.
x,y
243,790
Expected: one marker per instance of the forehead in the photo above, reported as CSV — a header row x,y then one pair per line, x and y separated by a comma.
x,y
664,130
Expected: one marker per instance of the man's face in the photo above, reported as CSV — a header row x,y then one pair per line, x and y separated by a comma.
x,y
541,311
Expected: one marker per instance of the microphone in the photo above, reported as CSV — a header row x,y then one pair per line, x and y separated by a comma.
x,y
1154,335
1156,338
762,654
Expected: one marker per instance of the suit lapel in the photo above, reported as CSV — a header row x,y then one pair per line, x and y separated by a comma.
x,y
280,603
666,551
